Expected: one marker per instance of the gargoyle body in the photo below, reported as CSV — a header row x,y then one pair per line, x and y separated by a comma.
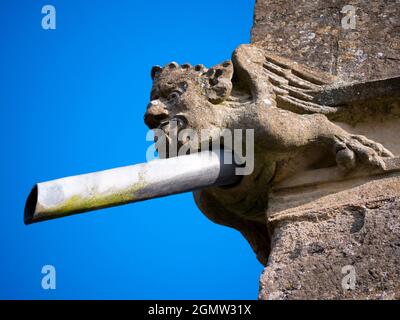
x,y
278,98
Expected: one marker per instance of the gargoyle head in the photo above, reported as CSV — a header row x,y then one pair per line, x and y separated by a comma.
x,y
189,95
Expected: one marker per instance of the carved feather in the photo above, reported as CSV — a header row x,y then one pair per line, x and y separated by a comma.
x,y
295,86
305,91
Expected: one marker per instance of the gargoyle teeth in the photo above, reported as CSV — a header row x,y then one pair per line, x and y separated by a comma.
x,y
181,123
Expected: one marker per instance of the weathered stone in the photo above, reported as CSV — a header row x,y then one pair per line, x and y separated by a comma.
x,y
319,221
324,106
311,32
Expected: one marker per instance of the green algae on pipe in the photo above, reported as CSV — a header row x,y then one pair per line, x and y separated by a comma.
x,y
108,188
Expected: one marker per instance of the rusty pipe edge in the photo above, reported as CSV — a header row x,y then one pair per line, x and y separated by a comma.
x,y
108,188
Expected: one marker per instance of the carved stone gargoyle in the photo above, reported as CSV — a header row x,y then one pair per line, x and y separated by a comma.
x,y
292,110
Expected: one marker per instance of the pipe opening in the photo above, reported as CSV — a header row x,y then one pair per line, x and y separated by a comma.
x,y
30,205
228,178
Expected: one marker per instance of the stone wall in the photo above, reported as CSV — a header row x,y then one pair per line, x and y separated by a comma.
x,y
334,237
321,228
311,32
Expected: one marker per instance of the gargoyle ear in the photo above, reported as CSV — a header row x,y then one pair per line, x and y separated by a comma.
x,y
155,71
220,81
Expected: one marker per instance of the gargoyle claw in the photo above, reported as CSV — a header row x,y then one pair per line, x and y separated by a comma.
x,y
353,148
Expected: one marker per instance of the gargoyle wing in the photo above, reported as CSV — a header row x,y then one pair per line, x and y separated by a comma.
x,y
296,86
302,90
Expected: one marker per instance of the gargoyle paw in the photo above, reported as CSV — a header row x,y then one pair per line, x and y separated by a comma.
x,y
352,148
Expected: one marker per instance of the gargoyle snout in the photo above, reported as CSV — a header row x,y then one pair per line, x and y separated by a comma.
x,y
155,113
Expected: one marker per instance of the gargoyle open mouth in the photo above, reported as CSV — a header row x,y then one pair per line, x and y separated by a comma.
x,y
170,129
181,122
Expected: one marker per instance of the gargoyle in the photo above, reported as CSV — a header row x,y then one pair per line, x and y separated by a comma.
x,y
290,108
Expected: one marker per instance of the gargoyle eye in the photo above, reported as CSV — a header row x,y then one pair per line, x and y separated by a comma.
x,y
174,95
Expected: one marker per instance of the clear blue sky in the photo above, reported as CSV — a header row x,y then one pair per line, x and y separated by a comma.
x,y
71,102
